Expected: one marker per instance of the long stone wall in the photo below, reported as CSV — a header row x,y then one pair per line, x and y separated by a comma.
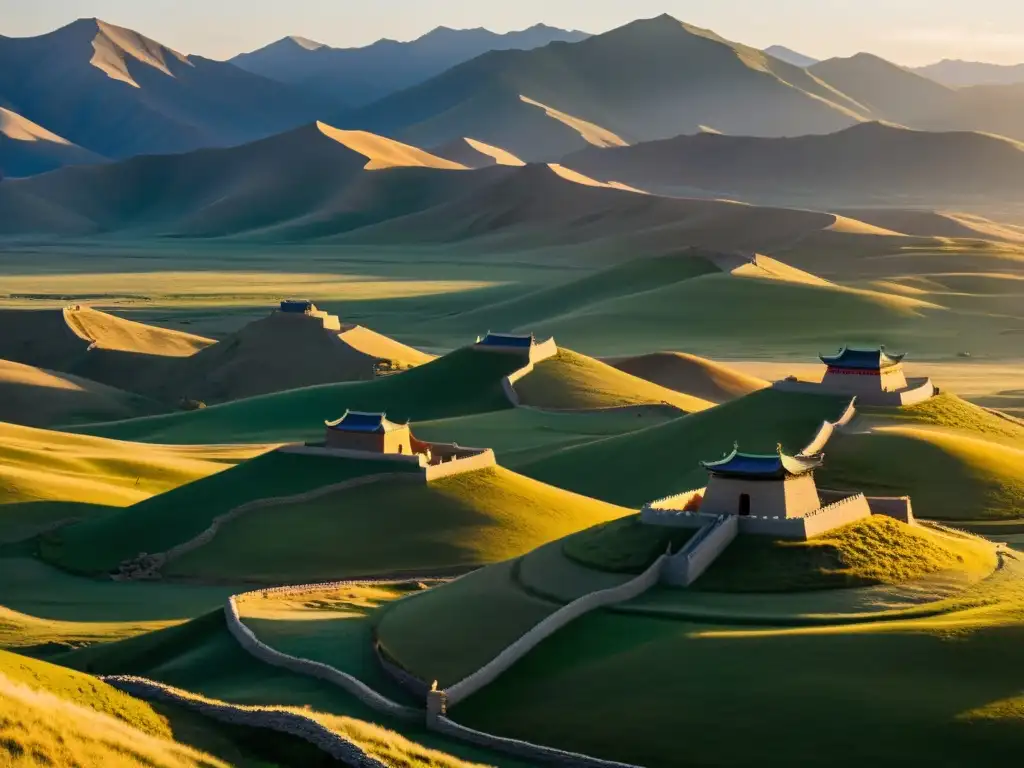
x,y
462,459
483,460
829,428
548,626
918,391
352,685
538,353
282,721
685,567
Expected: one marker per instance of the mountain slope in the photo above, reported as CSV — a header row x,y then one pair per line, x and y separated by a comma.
x,y
647,80
118,93
956,73
214,192
358,76
790,56
27,148
871,161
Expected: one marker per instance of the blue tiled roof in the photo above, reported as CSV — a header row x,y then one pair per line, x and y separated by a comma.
x,y
762,466
296,305
507,340
862,359
357,421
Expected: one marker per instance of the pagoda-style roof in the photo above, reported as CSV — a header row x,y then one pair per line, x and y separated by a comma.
x,y
759,466
367,423
862,359
507,340
298,306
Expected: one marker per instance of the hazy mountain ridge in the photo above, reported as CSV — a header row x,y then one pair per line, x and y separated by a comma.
x,y
358,76
790,56
869,162
117,93
27,148
957,73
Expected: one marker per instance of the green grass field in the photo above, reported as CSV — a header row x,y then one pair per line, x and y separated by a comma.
x,y
463,382
99,544
574,381
392,528
624,546
935,691
643,466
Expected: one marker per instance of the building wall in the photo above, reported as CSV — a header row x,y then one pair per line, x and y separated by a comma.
x,y
801,495
398,441
686,566
917,391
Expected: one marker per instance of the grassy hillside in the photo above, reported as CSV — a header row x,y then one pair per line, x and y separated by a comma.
x,y
574,381
466,520
643,466
462,382
692,375
154,526
282,352
44,465
54,716
40,398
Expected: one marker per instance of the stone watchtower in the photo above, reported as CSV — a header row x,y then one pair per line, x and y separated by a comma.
x,y
864,371
766,485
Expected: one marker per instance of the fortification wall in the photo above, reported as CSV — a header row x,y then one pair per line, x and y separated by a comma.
x,y
685,567
352,685
347,453
548,626
458,466
829,428
674,503
898,508
538,353
918,391
524,749
840,513
291,723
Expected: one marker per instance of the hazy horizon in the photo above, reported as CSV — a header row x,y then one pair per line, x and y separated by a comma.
x,y
917,32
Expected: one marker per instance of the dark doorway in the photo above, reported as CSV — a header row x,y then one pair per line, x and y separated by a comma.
x,y
744,505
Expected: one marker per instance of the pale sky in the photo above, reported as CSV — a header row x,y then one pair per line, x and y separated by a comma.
x,y
910,32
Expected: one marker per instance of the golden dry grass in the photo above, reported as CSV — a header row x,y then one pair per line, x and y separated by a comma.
x,y
692,375
38,728
574,381
115,333
45,465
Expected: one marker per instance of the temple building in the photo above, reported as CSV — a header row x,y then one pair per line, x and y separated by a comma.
x,y
772,485
371,432
857,371
298,307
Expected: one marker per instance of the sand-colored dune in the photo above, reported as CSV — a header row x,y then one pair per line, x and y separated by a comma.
x,y
282,352
692,375
14,126
571,381
590,132
846,225
476,154
109,332
46,465
40,398
383,153
925,223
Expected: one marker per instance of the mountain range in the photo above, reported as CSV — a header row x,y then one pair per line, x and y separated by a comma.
x,y
357,76
962,74
869,163
790,56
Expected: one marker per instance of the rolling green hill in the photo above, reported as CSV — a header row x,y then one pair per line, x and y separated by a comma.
x,y
642,466
462,382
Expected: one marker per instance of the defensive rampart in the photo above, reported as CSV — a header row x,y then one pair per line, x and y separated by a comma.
x,y
538,353
248,640
280,720
447,459
686,566
829,428
548,626
918,391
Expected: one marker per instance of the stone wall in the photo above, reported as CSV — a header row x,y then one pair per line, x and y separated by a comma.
x,y
844,512
274,719
685,567
917,391
352,685
538,353
483,460
460,459
551,624
898,508
829,428
344,453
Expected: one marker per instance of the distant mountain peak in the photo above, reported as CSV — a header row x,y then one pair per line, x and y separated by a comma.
x,y
304,42
788,55
113,46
